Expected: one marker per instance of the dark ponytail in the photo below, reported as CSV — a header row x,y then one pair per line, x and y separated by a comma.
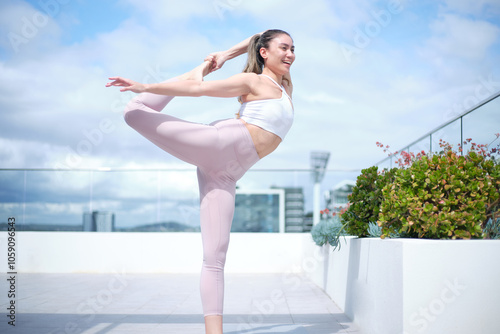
x,y
255,62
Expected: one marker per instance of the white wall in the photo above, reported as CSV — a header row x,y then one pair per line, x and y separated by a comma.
x,y
451,286
399,286
90,252
407,286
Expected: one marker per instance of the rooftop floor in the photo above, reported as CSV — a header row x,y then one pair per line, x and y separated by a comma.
x,y
167,303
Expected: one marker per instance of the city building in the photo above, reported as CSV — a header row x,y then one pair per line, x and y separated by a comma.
x,y
98,221
259,211
337,198
270,210
294,209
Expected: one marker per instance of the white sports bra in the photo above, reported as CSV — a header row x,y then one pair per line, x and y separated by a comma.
x,y
273,115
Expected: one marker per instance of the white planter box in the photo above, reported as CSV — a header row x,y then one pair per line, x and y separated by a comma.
x,y
407,286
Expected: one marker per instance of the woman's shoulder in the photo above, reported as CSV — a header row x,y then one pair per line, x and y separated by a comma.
x,y
247,75
250,78
253,80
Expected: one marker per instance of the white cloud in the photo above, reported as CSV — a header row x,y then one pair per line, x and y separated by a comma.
x,y
474,7
458,37
53,98
322,98
59,93
26,28
177,10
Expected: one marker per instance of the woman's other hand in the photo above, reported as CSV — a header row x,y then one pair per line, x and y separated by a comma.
x,y
218,59
127,84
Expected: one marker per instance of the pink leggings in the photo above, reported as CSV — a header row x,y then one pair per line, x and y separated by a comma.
x,y
223,151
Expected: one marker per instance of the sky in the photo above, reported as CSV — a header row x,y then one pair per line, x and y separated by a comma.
x,y
365,71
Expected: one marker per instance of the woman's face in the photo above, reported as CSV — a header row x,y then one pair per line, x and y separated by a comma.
x,y
280,55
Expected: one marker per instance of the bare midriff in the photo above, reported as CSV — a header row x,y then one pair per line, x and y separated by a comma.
x,y
264,141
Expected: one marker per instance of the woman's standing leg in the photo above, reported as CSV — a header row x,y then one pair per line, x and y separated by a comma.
x,y
216,215
235,154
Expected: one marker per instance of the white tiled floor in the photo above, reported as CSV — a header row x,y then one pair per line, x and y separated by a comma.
x,y
167,303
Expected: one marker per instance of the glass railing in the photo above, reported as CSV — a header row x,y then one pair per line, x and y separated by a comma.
x,y
152,200
480,123
167,199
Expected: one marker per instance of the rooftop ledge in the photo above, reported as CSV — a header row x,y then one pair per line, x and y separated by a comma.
x,y
385,286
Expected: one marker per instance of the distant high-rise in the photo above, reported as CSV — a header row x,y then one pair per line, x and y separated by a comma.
x,y
98,221
259,211
338,198
294,209
273,210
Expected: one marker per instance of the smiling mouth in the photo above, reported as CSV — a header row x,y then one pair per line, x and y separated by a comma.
x,y
287,62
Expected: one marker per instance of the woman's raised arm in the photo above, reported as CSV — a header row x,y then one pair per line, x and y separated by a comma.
x,y
219,58
237,85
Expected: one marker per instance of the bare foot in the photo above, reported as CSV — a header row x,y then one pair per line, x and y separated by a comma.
x,y
198,72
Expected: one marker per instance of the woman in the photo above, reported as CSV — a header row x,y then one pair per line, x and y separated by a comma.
x,y
224,150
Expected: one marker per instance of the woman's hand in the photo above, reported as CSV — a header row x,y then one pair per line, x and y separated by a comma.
x,y
127,84
217,59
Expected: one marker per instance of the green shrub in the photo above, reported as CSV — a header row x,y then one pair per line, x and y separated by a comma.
x,y
447,196
440,196
365,200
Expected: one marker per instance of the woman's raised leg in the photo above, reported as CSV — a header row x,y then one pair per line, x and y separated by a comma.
x,y
185,140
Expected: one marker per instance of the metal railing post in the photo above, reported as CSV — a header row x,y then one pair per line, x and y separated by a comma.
x,y
462,134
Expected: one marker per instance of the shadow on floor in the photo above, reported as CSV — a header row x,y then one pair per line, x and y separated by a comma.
x,y
52,323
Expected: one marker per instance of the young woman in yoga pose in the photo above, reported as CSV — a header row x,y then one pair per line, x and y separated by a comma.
x,y
224,150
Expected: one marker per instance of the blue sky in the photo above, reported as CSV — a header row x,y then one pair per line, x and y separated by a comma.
x,y
412,66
